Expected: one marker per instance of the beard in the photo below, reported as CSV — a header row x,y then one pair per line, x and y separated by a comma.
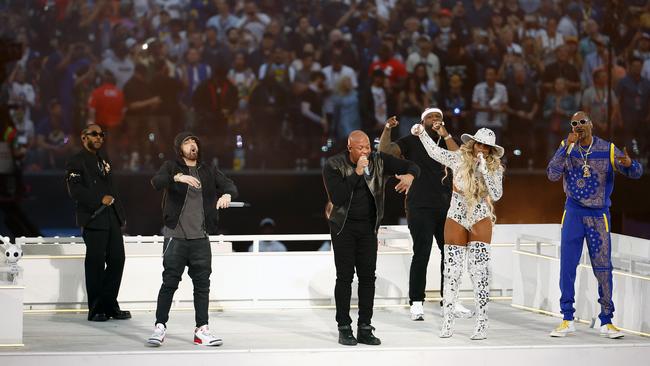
x,y
93,146
191,155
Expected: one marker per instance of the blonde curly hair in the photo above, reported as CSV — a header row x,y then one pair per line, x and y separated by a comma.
x,y
475,189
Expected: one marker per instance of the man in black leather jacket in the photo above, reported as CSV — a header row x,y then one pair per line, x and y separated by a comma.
x,y
355,181
189,213
100,214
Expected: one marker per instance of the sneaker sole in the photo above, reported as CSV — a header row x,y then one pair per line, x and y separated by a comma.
x,y
612,336
213,344
417,318
560,335
154,343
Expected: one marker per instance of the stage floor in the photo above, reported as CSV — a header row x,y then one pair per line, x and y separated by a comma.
x,y
270,336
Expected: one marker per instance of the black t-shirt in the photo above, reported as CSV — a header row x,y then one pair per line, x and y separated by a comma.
x,y
428,190
167,89
136,90
362,206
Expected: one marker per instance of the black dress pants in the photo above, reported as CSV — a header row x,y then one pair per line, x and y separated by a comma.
x,y
104,265
424,224
355,247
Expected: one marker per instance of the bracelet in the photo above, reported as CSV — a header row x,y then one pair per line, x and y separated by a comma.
x,y
447,137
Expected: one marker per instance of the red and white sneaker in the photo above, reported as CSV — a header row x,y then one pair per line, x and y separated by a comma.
x,y
203,337
158,336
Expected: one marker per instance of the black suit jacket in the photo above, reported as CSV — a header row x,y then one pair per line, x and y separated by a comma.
x,y
87,184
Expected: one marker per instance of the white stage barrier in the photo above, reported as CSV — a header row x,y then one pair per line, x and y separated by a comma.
x,y
54,274
536,279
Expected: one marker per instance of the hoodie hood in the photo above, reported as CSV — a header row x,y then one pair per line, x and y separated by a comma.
x,y
180,138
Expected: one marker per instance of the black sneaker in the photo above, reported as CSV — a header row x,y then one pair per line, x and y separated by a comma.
x,y
346,337
365,336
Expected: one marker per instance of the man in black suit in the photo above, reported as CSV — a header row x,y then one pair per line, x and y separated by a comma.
x,y
100,215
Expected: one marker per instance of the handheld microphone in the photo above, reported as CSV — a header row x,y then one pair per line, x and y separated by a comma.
x,y
236,204
568,151
366,169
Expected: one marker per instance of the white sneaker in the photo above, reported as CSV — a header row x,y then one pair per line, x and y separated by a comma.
x,y
203,337
158,336
565,328
610,331
417,310
462,312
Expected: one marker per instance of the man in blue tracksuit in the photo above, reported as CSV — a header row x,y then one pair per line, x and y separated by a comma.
x,y
587,165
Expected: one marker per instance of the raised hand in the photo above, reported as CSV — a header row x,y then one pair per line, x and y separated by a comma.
x,y
625,160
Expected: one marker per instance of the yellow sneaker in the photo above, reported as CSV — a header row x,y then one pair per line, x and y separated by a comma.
x,y
565,328
610,331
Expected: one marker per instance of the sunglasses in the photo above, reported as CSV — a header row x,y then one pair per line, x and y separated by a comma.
x,y
95,134
582,122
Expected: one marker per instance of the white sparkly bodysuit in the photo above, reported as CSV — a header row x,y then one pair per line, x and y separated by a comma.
x,y
458,210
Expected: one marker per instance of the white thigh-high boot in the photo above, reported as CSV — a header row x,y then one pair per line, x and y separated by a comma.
x,y
455,257
478,266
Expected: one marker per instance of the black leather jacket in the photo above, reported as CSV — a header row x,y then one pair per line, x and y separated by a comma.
x,y
340,179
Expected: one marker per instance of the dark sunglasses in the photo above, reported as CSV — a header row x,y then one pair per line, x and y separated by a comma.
x,y
582,122
95,134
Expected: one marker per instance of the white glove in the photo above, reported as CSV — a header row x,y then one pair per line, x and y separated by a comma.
x,y
417,129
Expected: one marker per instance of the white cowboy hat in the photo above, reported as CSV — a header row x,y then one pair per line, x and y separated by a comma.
x,y
485,136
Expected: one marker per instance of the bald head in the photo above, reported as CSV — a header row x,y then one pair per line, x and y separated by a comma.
x,y
358,145
580,115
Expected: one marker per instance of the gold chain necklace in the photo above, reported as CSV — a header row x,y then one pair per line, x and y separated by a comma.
x,y
584,154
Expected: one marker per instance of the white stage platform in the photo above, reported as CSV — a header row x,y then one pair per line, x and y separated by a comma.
x,y
308,337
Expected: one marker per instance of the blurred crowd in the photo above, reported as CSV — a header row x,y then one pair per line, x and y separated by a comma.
x,y
279,84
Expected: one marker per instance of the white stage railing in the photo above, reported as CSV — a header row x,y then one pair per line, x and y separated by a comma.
x,y
536,278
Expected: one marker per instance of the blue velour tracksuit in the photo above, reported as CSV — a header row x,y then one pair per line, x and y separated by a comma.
x,y
586,216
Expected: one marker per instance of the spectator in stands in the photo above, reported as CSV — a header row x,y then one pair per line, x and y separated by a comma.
x,y
594,103
268,109
21,91
176,41
263,53
214,102
444,35
53,144
306,64
428,58
119,62
411,101
394,70
522,112
559,105
169,115
377,104
192,74
634,94
458,62
568,25
346,109
278,68
106,109
548,41
490,102
587,44
428,86
456,106
222,21
302,35
267,227
216,50
593,61
253,20
561,68
478,14
243,78
141,102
